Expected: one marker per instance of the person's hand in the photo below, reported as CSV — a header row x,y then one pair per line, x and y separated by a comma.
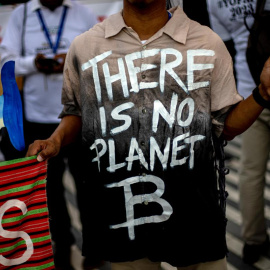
x,y
265,81
45,65
50,65
44,149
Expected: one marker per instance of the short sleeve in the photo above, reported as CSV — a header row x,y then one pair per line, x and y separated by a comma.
x,y
71,85
223,87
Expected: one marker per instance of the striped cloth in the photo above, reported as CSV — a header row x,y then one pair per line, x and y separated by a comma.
x,y
25,241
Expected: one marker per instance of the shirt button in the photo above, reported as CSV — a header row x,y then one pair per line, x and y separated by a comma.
x,y
143,76
143,143
143,110
144,47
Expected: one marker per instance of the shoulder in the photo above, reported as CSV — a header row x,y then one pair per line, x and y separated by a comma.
x,y
204,34
98,31
202,37
18,10
193,34
17,15
93,36
89,37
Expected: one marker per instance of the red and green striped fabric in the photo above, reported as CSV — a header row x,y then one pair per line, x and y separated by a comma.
x,y
25,241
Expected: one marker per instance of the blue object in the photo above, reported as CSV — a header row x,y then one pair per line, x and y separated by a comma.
x,y
1,107
12,111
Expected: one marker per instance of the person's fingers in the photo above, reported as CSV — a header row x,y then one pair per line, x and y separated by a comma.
x,y
34,148
43,149
48,151
267,64
265,77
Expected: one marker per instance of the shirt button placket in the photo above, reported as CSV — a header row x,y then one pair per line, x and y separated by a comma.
x,y
144,48
141,132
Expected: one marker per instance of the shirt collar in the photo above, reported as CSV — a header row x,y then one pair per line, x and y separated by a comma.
x,y
177,27
114,24
37,5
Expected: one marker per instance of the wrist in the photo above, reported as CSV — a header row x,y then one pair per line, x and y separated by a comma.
x,y
261,97
56,138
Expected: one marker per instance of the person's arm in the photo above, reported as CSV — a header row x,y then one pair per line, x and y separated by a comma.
x,y
66,133
71,124
242,116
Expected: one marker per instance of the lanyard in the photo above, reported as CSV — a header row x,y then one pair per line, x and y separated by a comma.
x,y
60,30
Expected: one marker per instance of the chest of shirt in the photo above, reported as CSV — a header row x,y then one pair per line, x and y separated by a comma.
x,y
119,72
146,99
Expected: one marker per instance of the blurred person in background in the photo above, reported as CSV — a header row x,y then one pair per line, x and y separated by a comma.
x,y
228,21
37,38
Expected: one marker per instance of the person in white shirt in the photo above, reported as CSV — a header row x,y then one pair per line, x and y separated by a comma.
x,y
228,21
37,38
